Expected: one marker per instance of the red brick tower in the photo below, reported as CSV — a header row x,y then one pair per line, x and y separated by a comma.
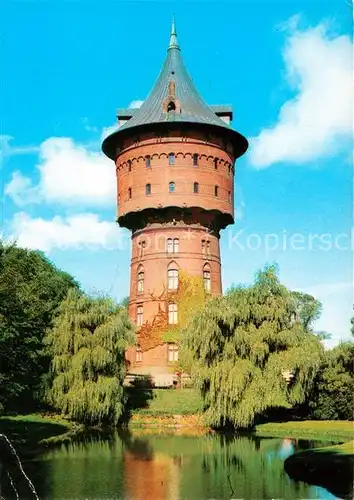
x,y
175,159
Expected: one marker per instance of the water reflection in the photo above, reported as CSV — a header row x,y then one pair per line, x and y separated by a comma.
x,y
140,466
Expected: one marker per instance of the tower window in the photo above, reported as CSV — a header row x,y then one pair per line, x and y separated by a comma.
x,y
148,161
148,189
169,245
208,247
129,193
206,279
172,279
216,190
129,166
139,315
229,195
229,169
203,246
172,245
171,159
171,187
138,354
140,281
171,107
172,314
216,163
175,245
142,245
196,187
195,160
172,353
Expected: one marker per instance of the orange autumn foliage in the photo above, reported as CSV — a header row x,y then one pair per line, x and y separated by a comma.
x,y
189,297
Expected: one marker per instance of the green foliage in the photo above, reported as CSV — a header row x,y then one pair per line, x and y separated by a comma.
x,y
31,289
240,345
332,394
124,302
87,346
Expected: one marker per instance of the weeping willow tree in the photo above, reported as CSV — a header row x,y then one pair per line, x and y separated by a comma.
x,y
241,346
87,345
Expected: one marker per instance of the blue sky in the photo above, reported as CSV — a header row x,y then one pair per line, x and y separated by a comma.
x,y
284,66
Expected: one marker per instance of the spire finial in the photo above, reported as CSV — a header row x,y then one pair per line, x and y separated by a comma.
x,y
173,37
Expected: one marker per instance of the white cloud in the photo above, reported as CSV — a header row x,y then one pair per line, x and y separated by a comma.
x,y
6,149
135,104
319,118
106,131
21,191
74,232
70,174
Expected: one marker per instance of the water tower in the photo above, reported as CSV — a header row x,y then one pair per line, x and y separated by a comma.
x,y
175,165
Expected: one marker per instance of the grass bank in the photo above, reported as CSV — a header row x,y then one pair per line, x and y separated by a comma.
x,y
330,467
35,431
316,429
166,407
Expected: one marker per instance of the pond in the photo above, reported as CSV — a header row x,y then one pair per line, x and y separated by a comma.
x,y
147,465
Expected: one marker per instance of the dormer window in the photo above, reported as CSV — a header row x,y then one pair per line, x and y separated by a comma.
x,y
171,106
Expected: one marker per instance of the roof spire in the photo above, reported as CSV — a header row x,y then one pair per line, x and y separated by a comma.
x,y
173,37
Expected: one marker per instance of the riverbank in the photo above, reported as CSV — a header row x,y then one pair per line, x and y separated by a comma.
x,y
309,429
36,431
330,467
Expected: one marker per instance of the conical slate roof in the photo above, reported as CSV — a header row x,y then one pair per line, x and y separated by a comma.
x,y
175,86
192,106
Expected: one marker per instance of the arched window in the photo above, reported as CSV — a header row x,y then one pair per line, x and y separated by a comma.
x,y
196,187
147,161
207,278
129,193
169,245
175,245
172,353
216,163
140,280
138,354
172,314
171,159
172,279
171,107
129,166
216,190
229,169
172,245
195,160
139,315
171,187
148,189
141,247
229,195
